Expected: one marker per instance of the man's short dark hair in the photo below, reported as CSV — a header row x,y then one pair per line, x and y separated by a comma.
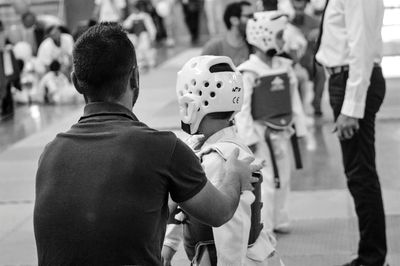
x,y
234,10
103,59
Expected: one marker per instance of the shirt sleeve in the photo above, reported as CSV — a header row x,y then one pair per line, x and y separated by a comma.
x,y
359,18
187,176
44,53
244,119
151,28
173,236
213,165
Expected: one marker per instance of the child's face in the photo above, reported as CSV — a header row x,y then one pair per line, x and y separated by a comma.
x,y
280,42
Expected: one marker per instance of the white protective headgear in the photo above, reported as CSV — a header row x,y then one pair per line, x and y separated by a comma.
x,y
261,30
207,84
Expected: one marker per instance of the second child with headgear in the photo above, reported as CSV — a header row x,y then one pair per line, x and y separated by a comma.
x,y
271,106
210,93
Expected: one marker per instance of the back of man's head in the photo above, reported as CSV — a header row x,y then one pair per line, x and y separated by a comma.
x,y
233,10
103,61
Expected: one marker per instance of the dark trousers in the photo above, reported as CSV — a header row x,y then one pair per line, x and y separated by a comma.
x,y
319,84
359,165
191,13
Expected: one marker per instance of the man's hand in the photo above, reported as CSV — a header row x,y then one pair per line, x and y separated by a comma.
x,y
166,255
346,126
242,168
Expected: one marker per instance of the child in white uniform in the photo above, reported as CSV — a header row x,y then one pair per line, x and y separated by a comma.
x,y
210,92
142,33
265,33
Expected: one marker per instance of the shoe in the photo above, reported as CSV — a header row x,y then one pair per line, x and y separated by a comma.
x,y
283,229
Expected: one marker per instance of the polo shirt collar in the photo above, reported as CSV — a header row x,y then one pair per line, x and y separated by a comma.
x,y
106,109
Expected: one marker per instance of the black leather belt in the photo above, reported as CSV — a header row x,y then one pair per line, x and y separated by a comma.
x,y
340,69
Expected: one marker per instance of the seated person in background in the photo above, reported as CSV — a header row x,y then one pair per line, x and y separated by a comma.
x,y
142,32
57,46
210,92
55,87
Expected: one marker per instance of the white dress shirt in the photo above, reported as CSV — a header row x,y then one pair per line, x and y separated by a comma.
x,y
352,36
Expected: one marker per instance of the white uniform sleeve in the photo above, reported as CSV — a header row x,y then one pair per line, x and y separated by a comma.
x,y
127,23
359,19
173,236
69,43
151,28
231,238
244,119
44,52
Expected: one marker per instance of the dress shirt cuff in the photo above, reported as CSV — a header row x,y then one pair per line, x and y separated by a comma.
x,y
353,109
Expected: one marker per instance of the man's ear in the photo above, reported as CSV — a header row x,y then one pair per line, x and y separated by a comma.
x,y
75,82
135,78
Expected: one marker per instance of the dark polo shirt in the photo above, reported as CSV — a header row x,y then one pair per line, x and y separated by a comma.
x,y
102,189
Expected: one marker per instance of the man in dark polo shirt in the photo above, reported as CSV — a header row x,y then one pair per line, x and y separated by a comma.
x,y
102,187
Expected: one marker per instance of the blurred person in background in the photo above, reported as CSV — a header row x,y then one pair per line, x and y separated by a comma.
x,y
191,12
142,33
55,88
109,10
309,26
213,10
166,10
31,31
266,119
9,75
57,46
233,44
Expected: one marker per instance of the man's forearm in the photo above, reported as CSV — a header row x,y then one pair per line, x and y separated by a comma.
x,y
230,188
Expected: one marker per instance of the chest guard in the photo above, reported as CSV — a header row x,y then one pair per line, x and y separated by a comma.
x,y
195,232
271,100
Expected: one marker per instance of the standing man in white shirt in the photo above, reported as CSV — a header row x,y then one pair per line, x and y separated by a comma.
x,y
350,49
